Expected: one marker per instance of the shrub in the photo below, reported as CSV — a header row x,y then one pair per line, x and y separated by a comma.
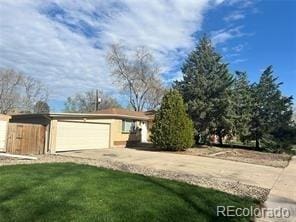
x,y
280,140
172,129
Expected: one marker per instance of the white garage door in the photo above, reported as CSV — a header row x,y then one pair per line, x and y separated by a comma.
x,y
79,136
3,131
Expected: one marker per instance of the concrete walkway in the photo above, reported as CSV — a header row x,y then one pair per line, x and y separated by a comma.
x,y
249,174
283,193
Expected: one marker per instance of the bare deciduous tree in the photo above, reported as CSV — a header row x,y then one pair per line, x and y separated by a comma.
x,y
153,98
9,86
85,102
137,75
34,92
19,93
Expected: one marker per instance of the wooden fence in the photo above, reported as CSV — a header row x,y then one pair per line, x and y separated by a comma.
x,y
25,138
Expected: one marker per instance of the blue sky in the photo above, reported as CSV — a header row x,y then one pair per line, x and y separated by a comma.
x,y
64,43
268,37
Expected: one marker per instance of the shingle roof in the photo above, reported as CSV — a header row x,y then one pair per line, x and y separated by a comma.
x,y
122,112
106,113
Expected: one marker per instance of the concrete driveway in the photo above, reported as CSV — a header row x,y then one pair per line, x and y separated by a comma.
x,y
249,174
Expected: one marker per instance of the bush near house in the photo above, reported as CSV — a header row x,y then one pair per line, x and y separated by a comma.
x,y
172,129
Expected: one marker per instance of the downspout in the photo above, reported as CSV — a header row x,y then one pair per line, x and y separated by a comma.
x,y
48,134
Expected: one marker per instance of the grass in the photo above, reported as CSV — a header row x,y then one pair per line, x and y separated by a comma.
x,y
72,192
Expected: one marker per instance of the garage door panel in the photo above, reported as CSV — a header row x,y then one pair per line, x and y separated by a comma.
x,y
77,136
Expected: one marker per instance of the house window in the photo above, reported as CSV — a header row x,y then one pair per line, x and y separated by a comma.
x,y
128,126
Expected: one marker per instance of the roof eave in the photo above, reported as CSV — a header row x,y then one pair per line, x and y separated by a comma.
x,y
82,115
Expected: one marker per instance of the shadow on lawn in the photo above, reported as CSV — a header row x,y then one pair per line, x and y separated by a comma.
x,y
57,191
37,206
203,198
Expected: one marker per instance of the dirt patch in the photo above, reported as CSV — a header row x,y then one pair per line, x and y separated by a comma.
x,y
4,158
241,155
225,185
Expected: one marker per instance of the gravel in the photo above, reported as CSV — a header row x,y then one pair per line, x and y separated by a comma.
x,y
241,155
221,184
6,159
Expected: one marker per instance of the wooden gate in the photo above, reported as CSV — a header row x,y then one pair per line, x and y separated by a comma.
x,y
25,138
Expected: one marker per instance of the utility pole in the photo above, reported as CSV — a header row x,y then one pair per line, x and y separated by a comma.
x,y
97,100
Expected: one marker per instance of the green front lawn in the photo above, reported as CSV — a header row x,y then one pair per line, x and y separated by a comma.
x,y
72,192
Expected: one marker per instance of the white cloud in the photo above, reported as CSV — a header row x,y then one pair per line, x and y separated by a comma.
x,y
37,46
230,55
219,1
241,3
66,59
239,61
238,48
223,35
234,16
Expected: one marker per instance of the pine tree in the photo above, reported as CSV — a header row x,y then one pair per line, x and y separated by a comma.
x,y
271,111
172,129
41,107
242,103
206,90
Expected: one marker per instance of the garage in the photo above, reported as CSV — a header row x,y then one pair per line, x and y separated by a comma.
x,y
82,135
110,128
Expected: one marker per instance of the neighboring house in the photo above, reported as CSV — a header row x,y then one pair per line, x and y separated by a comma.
x,y
3,131
103,129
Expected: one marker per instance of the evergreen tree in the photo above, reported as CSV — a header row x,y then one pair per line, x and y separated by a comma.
x,y
271,111
242,103
172,129
206,90
41,107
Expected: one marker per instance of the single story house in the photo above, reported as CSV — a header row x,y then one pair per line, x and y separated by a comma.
x,y
3,131
102,129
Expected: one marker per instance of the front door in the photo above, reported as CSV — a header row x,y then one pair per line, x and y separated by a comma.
x,y
144,132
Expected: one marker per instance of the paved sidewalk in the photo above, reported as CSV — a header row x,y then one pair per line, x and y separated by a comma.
x,y
283,193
